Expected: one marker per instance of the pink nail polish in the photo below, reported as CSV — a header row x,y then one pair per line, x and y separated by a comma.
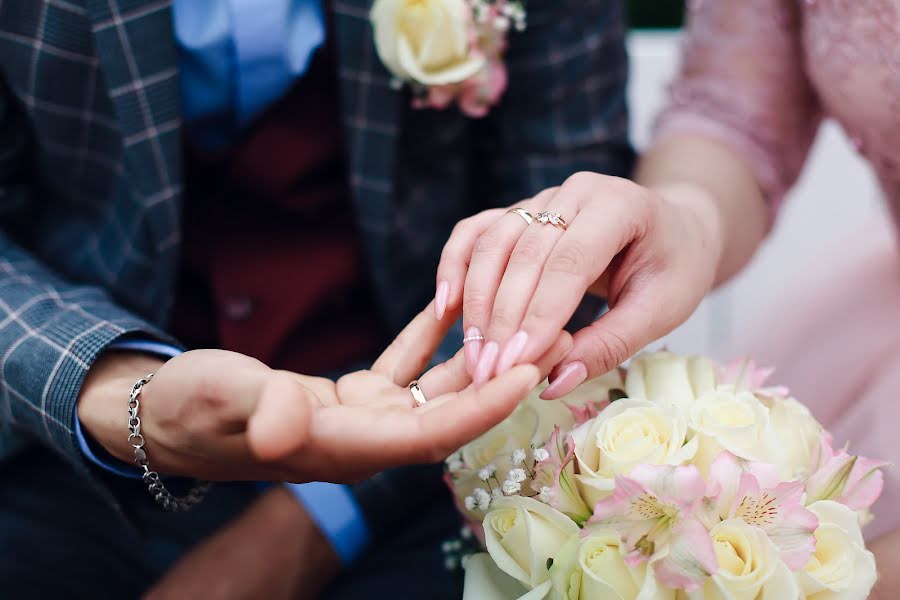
x,y
570,377
512,352
472,349
440,299
486,364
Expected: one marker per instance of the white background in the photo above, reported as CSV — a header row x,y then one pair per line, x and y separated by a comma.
x,y
836,194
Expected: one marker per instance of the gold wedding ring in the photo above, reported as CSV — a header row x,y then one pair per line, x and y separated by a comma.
x,y
549,218
522,213
417,394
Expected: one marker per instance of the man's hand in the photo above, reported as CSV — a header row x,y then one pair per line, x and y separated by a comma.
x,y
273,550
652,255
219,415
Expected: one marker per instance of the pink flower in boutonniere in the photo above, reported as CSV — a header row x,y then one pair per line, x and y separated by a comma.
x,y
447,50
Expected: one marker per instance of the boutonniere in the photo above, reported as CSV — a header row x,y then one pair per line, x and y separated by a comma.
x,y
447,50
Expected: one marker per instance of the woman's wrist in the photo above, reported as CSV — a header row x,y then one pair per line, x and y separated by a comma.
x,y
703,213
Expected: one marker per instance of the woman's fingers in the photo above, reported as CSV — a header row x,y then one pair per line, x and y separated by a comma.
x,y
451,273
412,349
490,258
577,260
523,272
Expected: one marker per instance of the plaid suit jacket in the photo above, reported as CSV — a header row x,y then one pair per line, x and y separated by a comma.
x,y
91,182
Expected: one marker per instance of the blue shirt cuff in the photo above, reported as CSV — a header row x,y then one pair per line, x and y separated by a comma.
x,y
334,510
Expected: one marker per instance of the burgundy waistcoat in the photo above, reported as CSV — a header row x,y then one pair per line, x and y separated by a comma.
x,y
271,263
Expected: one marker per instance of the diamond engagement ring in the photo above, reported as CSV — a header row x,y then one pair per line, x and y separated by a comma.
x,y
417,394
473,338
549,218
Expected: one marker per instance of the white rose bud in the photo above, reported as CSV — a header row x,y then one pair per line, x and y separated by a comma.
x,y
841,568
522,533
669,378
425,41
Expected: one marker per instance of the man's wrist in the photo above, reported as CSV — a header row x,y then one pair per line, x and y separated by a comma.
x,y
102,401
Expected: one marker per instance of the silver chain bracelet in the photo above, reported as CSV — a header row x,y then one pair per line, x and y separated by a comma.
x,y
151,479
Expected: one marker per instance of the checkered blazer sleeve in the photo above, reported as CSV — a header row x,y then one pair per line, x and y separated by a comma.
x,y
51,329
565,108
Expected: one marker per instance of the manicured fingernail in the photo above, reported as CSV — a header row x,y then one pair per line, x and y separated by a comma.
x,y
570,377
472,349
512,352
486,364
440,299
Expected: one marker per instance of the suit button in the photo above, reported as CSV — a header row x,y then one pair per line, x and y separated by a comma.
x,y
238,308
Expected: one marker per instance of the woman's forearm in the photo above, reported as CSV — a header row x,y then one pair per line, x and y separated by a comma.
x,y
713,181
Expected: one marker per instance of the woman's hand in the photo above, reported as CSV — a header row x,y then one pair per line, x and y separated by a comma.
x,y
652,254
220,415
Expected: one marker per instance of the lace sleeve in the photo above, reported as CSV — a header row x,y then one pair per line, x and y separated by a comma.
x,y
742,82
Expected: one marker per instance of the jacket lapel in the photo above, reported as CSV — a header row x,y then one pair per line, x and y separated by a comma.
x,y
135,45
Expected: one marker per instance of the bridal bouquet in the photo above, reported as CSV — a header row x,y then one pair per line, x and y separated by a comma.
x,y
676,479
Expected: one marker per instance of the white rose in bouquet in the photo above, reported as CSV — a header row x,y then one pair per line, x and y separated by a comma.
x,y
593,567
522,533
625,434
798,435
841,568
669,378
736,421
750,566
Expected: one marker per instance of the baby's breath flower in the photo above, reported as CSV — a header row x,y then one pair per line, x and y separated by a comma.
x,y
517,475
540,454
511,487
482,498
497,493
518,457
470,503
487,472
545,494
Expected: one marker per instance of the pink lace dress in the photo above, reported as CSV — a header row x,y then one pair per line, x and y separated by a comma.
x,y
759,76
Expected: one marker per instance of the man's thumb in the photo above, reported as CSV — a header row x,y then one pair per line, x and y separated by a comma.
x,y
279,425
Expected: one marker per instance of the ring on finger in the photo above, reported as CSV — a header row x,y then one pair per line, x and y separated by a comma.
x,y
551,218
419,398
522,213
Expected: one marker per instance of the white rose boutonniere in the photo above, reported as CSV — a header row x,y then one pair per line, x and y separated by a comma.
x,y
448,50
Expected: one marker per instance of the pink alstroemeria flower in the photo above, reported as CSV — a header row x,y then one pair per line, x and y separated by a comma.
x,y
558,473
745,375
855,481
751,491
653,509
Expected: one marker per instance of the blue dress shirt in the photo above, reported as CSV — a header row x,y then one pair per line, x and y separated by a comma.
x,y
236,58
